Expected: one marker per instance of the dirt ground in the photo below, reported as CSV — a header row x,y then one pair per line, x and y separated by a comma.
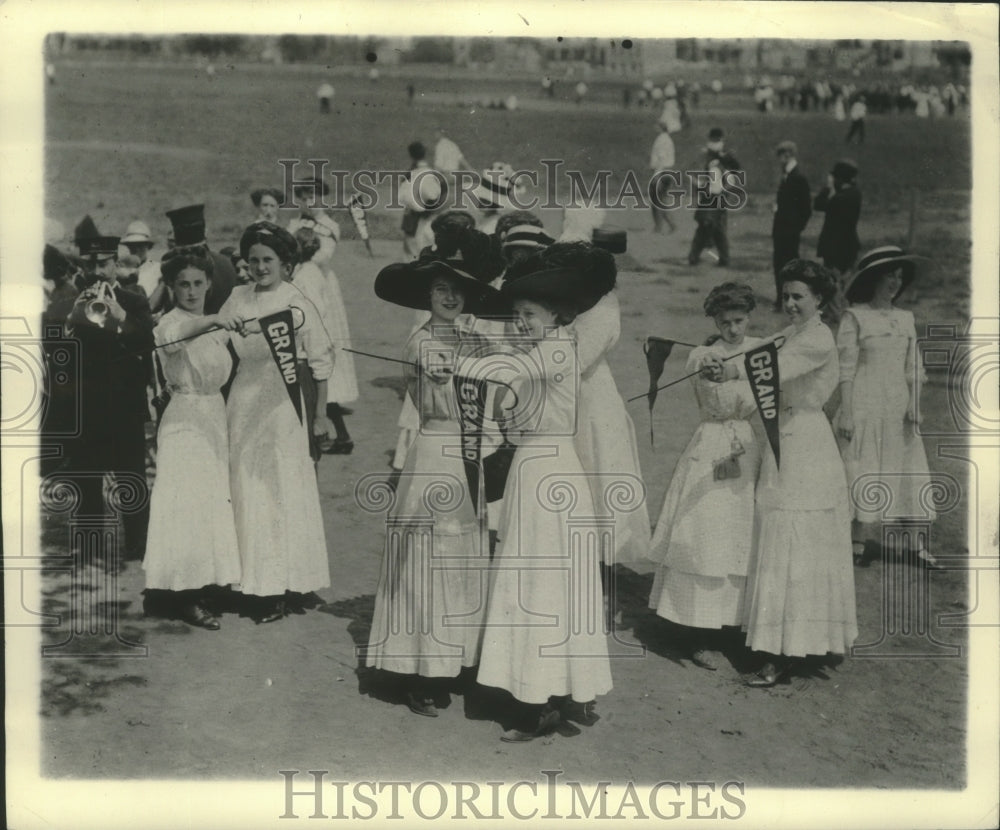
x,y
249,700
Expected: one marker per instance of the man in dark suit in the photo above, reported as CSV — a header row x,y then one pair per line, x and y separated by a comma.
x,y
189,234
114,329
791,212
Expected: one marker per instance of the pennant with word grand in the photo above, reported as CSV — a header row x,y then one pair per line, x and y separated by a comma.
x,y
762,372
471,394
279,332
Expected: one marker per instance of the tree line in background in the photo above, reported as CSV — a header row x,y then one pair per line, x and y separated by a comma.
x,y
273,49
954,56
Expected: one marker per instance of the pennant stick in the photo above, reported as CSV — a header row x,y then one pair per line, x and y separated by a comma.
x,y
686,377
678,342
417,366
206,331
380,357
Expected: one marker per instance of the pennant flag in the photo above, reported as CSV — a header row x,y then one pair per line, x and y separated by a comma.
x,y
471,396
279,331
657,350
762,371
357,210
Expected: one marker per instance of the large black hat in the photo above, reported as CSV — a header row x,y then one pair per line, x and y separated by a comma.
x,y
576,271
558,285
409,284
874,264
188,224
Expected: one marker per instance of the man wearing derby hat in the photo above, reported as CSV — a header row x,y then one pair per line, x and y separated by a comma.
x,y
115,343
840,200
791,212
139,241
189,233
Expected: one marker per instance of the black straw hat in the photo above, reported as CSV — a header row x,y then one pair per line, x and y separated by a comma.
x,y
874,264
409,284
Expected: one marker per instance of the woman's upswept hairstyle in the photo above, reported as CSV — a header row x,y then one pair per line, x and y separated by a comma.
x,y
730,296
175,261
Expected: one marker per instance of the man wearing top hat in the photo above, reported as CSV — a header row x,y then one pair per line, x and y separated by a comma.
x,y
792,209
709,193
114,328
189,235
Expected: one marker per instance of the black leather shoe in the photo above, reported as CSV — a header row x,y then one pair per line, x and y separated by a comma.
x,y
548,722
198,616
703,660
421,705
340,446
765,678
272,612
581,713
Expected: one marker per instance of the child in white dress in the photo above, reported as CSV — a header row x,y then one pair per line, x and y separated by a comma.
x,y
705,531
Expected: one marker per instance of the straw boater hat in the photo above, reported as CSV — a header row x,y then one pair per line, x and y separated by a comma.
x,y
495,187
526,236
409,284
876,263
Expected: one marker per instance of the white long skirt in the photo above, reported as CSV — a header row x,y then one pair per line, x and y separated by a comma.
x,y
192,534
544,632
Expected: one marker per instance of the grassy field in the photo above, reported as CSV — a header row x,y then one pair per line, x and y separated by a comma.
x,y
132,142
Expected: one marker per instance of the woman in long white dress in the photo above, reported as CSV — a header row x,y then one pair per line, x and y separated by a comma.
x,y
544,637
275,499
431,595
800,592
876,423
192,535
342,385
605,438
704,535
